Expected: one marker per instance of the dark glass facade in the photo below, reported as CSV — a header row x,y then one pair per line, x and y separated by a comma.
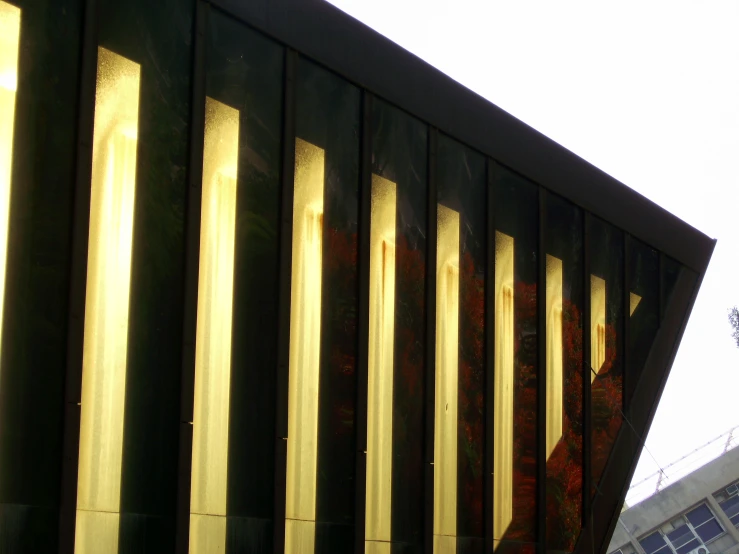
x,y
252,305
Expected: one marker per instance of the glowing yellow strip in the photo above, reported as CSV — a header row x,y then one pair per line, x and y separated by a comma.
x,y
106,311
380,372
10,29
504,379
213,338
554,353
634,300
447,381
597,325
305,349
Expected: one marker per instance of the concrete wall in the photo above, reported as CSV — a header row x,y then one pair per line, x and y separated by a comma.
x,y
676,499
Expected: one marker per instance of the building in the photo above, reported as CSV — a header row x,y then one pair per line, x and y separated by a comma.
x,y
273,284
697,514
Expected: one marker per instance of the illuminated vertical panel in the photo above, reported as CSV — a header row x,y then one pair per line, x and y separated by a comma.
x,y
214,324
447,381
113,187
504,374
555,407
597,324
305,351
380,370
634,300
10,29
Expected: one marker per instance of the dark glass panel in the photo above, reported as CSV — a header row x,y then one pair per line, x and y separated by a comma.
x,y
399,144
731,506
34,329
687,547
670,273
606,340
652,543
461,187
158,37
680,536
328,117
643,309
244,71
512,547
516,221
709,530
699,515
565,295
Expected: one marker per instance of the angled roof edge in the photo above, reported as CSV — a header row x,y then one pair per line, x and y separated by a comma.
x,y
346,46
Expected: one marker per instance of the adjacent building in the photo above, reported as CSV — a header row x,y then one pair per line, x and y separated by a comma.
x,y
272,284
698,514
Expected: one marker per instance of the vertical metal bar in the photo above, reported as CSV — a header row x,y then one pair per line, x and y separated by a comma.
x,y
489,402
429,383
363,269
283,333
587,370
192,259
78,278
541,376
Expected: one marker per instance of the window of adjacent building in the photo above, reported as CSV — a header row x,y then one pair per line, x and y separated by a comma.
x,y
683,539
730,506
655,543
704,523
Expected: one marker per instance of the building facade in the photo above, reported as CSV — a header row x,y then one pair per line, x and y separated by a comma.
x,y
272,284
699,514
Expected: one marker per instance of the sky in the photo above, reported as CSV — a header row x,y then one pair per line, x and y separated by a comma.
x,y
647,91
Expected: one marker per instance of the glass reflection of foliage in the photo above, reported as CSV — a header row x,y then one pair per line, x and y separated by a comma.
x,y
461,188
305,348
244,70
10,28
606,290
328,116
380,376
446,381
399,155
214,325
565,295
115,142
516,219
643,268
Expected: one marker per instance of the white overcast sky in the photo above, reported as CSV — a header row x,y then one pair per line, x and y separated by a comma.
x,y
646,90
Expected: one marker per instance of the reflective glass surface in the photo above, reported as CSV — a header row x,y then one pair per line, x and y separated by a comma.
x,y
244,74
643,309
320,480
460,362
565,372
399,156
515,369
606,340
39,80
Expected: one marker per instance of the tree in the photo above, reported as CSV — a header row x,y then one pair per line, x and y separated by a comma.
x,y
734,322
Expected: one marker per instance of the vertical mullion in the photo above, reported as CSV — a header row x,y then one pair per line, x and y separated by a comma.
x,y
78,278
365,169
430,368
285,261
541,376
587,370
489,398
192,262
